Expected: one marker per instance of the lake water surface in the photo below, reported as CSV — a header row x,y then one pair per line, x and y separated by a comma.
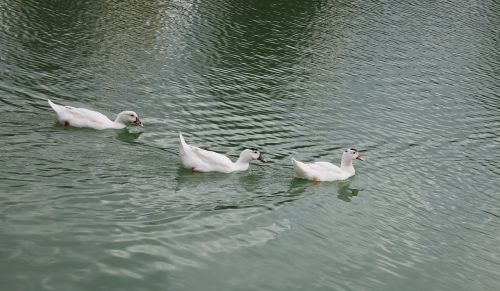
x,y
413,85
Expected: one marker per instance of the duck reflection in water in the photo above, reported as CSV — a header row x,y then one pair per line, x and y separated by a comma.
x,y
299,188
128,136
345,192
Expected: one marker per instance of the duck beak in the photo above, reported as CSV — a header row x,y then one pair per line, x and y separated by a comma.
x,y
138,122
360,157
262,159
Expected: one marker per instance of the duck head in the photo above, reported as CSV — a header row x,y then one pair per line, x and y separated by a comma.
x,y
352,154
252,154
129,117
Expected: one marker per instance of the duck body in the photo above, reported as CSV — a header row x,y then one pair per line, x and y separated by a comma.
x,y
82,117
325,171
321,171
201,160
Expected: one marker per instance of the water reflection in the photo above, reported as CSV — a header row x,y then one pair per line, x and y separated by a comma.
x,y
298,187
129,135
288,77
188,177
346,193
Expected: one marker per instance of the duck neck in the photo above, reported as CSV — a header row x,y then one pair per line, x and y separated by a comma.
x,y
118,123
346,165
242,163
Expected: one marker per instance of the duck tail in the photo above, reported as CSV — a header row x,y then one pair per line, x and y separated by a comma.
x,y
58,109
298,169
52,104
183,142
183,146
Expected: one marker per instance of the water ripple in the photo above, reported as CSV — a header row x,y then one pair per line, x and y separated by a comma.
x,y
411,85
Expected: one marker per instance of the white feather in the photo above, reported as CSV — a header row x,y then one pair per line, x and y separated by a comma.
x,y
202,160
325,171
82,117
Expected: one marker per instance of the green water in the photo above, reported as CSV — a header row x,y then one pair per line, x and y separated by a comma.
x,y
413,86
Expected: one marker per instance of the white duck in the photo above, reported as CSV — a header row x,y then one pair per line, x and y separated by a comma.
x,y
324,171
202,160
81,117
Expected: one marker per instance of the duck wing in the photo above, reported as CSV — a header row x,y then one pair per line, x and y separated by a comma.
x,y
302,170
318,171
212,159
202,160
81,117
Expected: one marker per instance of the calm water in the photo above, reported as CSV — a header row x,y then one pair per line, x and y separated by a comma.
x,y
413,86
